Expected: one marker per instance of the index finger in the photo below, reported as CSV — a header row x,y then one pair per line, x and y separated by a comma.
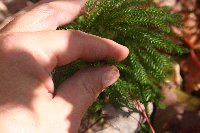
x,y
46,15
52,48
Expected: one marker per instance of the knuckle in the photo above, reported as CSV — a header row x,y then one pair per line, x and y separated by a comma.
x,y
44,11
48,9
9,41
9,44
78,38
89,89
77,33
91,86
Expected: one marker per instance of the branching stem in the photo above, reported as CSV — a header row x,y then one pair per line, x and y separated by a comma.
x,y
143,113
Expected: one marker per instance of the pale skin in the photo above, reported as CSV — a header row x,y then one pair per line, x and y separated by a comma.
x,y
30,48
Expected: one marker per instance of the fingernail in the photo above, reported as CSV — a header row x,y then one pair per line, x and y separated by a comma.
x,y
110,76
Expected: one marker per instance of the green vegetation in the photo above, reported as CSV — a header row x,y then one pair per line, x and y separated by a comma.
x,y
145,29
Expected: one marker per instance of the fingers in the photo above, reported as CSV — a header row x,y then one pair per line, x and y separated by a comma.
x,y
46,15
64,47
82,89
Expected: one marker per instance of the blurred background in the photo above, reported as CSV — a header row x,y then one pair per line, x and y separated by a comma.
x,y
181,105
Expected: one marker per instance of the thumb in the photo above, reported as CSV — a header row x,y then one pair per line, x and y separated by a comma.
x,y
83,88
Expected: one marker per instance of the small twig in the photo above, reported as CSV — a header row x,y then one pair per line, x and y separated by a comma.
x,y
197,47
143,113
90,126
192,52
188,43
194,57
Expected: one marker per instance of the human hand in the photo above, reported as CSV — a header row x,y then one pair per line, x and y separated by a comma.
x,y
30,48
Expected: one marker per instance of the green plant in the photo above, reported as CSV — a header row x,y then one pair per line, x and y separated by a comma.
x,y
145,29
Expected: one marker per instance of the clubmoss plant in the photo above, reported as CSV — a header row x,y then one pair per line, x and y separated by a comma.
x,y
145,29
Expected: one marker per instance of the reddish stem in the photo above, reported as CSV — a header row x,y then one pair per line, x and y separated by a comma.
x,y
91,125
188,43
194,57
192,52
143,113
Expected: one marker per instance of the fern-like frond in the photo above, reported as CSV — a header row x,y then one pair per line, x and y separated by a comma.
x,y
145,30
